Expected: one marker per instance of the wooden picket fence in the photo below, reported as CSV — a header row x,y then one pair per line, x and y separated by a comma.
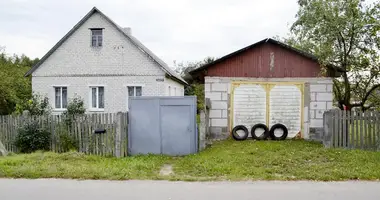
x,y
352,130
82,129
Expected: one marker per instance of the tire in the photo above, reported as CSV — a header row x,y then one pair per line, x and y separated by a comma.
x,y
278,126
264,136
236,136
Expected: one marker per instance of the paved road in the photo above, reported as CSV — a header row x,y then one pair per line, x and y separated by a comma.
x,y
163,190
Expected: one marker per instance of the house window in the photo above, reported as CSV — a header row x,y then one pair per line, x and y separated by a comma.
x,y
96,37
97,98
134,91
60,97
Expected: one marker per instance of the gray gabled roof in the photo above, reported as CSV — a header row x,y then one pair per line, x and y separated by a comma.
x,y
136,42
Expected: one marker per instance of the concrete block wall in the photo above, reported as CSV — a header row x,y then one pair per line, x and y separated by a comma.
x,y
321,97
217,90
318,98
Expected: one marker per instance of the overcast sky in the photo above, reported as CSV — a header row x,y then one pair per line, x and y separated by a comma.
x,y
181,30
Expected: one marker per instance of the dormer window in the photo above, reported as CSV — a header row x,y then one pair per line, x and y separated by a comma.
x,y
97,37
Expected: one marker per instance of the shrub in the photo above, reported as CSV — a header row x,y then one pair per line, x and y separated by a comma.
x,y
75,108
66,141
196,89
31,138
37,105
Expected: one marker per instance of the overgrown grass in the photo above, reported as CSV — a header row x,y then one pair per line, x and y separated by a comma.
x,y
227,160
285,160
80,166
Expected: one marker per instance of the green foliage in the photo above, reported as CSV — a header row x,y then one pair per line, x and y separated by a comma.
x,y
14,87
36,106
194,88
31,138
225,160
184,68
343,34
197,90
75,108
66,141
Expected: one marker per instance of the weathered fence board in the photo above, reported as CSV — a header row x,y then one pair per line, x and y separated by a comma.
x,y
353,130
81,129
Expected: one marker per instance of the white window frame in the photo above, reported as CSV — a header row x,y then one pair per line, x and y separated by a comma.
x,y
134,90
61,108
97,37
97,109
133,85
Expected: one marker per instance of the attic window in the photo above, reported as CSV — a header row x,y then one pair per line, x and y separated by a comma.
x,y
97,37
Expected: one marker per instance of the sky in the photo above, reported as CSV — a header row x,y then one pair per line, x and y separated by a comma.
x,y
175,30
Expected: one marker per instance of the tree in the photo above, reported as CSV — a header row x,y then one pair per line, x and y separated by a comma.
x,y
343,34
14,87
194,88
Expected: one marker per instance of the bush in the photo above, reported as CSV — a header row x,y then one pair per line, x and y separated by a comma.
x,y
197,89
66,141
31,138
75,108
36,106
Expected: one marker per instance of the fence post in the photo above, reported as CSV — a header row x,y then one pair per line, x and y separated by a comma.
x,y
119,129
327,133
202,131
3,151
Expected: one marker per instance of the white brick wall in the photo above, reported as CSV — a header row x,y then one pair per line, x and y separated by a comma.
x,y
115,88
116,64
316,123
219,87
214,96
176,89
319,114
325,96
318,88
215,113
219,105
117,56
219,122
318,105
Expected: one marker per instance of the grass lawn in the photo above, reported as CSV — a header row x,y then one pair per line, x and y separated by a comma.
x,y
227,160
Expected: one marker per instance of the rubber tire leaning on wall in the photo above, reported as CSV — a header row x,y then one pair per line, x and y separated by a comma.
x,y
264,136
236,136
278,126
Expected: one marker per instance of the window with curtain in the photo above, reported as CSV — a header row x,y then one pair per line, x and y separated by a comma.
x,y
96,37
97,97
134,91
60,97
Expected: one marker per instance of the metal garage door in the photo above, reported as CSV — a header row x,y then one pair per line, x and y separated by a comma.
x,y
285,108
249,105
268,103
162,125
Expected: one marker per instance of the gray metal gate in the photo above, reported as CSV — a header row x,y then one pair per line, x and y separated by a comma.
x,y
162,125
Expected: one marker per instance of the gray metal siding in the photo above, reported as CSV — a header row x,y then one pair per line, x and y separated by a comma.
x,y
162,125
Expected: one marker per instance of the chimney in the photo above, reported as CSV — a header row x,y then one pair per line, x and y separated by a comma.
x,y
127,30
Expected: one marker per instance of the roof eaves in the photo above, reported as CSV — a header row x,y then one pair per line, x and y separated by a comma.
x,y
61,41
267,40
136,42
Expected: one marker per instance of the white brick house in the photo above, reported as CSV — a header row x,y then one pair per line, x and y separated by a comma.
x,y
103,64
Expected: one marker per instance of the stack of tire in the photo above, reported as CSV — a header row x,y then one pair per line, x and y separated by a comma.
x,y
264,136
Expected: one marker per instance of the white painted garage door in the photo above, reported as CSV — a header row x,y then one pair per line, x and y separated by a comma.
x,y
284,105
285,108
249,105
